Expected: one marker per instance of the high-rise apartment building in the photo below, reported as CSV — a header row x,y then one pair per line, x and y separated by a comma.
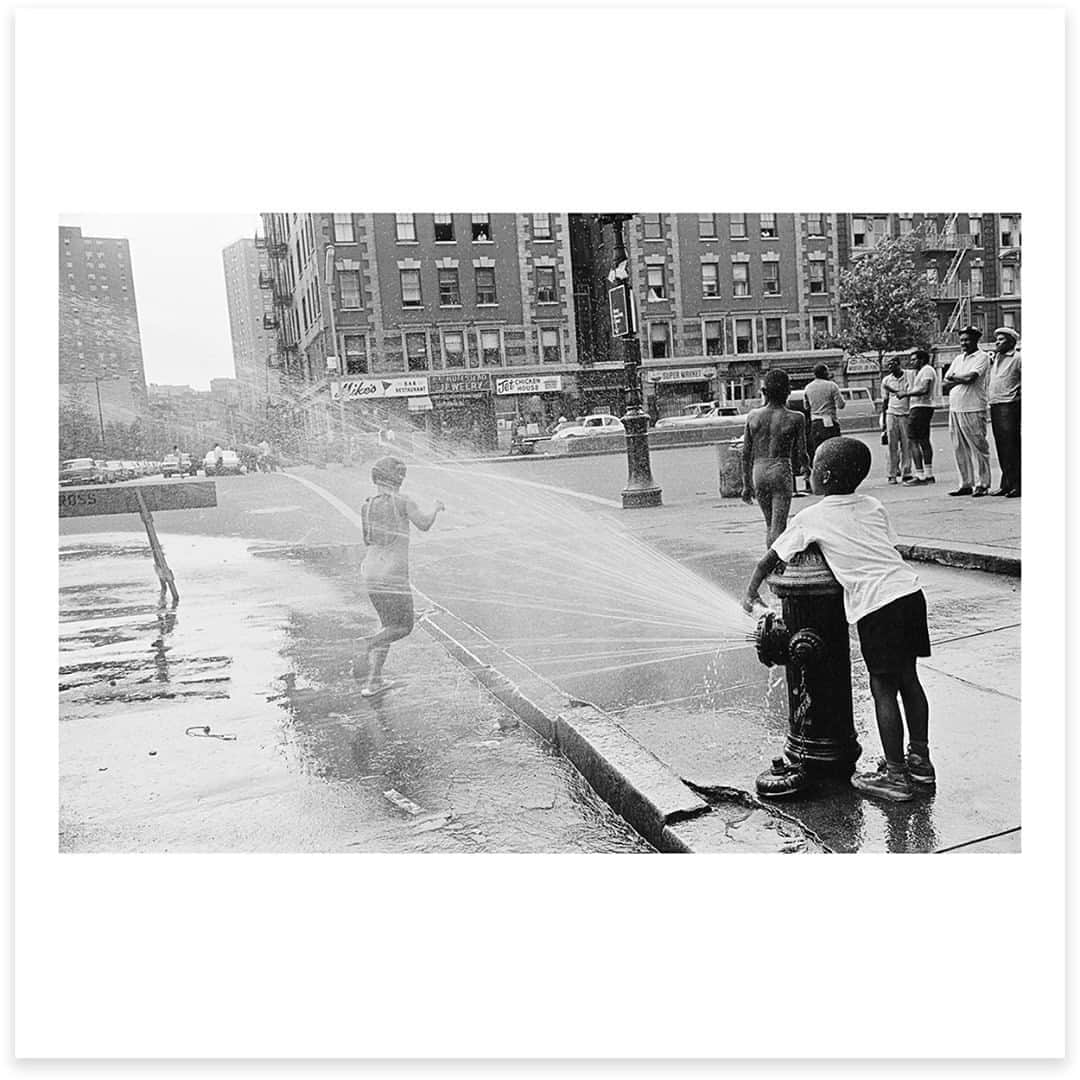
x,y
254,344
100,346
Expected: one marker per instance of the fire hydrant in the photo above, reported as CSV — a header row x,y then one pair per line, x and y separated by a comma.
x,y
811,641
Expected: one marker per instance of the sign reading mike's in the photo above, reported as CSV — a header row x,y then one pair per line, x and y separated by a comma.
x,y
407,387
529,384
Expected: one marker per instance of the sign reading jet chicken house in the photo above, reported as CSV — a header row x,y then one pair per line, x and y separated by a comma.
x,y
352,389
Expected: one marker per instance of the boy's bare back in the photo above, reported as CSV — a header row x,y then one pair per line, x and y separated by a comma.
x,y
774,432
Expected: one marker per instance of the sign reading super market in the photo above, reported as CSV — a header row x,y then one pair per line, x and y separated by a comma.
x,y
411,386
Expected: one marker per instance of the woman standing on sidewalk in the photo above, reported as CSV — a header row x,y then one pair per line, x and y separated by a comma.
x,y
385,519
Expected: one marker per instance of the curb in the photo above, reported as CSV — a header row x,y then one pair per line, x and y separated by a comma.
x,y
961,558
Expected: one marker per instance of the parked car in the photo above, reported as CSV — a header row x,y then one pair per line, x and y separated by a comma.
x,y
704,413
81,470
111,471
230,465
858,404
597,424
178,465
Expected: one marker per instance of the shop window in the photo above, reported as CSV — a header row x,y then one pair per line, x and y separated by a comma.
x,y
738,390
550,351
652,226
768,227
343,229
449,288
405,226
349,283
541,225
774,335
546,288
481,228
485,285
454,348
706,226
416,351
410,289
490,348
659,340
770,278
818,283
740,273
444,228
714,338
710,280
737,226
744,335
355,354
655,277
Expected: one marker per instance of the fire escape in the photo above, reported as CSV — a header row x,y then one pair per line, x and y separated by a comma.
x,y
951,287
277,316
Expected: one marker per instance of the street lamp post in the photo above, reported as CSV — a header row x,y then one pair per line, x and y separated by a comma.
x,y
641,490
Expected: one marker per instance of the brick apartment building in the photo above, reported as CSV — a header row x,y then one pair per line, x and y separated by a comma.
x,y
100,344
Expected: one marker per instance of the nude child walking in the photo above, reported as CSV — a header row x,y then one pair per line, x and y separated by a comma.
x,y
774,436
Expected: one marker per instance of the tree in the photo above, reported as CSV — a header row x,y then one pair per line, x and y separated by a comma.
x,y
79,431
884,304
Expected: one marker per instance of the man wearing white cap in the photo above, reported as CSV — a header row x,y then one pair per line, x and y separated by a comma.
x,y
1004,397
965,383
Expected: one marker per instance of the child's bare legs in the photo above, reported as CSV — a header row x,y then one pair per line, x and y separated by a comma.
x,y
916,709
395,611
885,689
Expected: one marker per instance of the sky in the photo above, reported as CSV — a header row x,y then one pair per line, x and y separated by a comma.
x,y
179,276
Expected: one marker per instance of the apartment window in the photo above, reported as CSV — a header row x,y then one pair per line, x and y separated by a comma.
x,y
858,232
454,348
1009,281
485,285
405,224
714,337
975,228
655,281
343,229
481,228
355,354
819,331
651,226
768,226
815,225
349,283
905,224
976,281
1008,318
550,351
740,273
774,335
490,348
541,226
710,279
410,289
978,320
1008,228
737,227
546,289
770,278
416,352
818,283
444,228
931,276
706,226
744,335
449,288
659,340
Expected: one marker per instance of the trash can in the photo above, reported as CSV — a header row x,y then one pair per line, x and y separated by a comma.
x,y
729,468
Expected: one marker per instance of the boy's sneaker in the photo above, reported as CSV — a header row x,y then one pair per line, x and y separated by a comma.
x,y
883,784
920,768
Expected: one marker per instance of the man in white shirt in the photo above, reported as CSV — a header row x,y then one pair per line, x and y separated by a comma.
x,y
922,397
894,407
1003,395
965,383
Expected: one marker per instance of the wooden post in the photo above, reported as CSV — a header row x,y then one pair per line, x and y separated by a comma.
x,y
165,575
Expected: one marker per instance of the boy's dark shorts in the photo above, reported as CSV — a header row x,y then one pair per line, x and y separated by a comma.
x,y
894,635
918,425
394,607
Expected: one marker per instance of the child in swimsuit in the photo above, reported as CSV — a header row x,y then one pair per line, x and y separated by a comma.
x,y
385,518
774,436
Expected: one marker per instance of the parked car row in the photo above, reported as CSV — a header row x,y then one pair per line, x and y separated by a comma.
x,y
90,471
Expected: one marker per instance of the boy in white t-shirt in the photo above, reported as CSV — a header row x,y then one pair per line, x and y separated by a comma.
x,y
882,598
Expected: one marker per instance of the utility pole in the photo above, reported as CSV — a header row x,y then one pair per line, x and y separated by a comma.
x,y
640,491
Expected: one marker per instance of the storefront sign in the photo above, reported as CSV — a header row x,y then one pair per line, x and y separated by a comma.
x,y
530,384
411,386
623,312
460,382
681,375
862,365
420,404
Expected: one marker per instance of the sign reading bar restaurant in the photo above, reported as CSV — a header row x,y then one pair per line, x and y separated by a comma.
x,y
411,386
530,384
460,382
684,374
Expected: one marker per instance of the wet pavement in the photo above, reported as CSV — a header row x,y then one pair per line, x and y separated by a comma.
x,y
259,652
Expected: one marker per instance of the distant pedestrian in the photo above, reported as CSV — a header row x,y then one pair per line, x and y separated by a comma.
x,y
1003,394
965,383
882,598
894,415
385,520
774,448
922,397
823,399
